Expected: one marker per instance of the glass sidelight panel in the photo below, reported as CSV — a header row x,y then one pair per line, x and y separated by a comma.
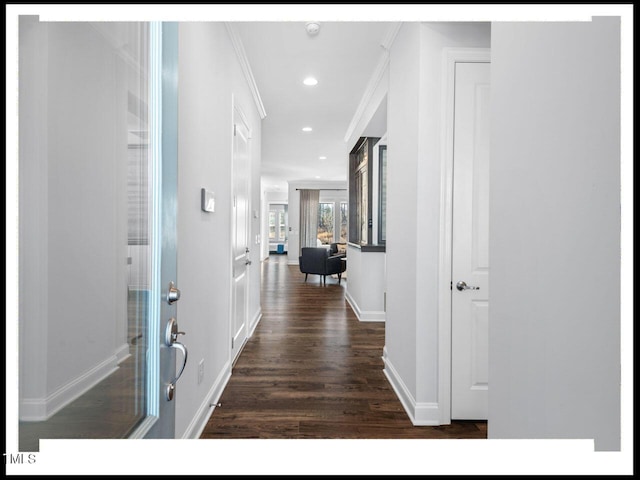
x,y
85,236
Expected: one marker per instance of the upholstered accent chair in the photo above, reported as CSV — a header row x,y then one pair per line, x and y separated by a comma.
x,y
317,261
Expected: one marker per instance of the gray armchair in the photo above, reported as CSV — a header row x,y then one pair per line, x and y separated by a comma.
x,y
317,261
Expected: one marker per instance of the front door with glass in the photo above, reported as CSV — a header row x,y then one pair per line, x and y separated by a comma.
x,y
94,256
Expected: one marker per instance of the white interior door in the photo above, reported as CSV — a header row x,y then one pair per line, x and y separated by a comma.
x,y
470,244
240,234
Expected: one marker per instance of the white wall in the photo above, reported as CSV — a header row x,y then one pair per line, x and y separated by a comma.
x,y
414,207
372,122
294,212
209,76
73,213
555,232
402,151
366,285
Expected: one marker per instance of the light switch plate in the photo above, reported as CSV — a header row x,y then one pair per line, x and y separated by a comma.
x,y
207,200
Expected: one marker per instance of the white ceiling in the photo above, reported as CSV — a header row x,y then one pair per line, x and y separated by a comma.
x,y
342,57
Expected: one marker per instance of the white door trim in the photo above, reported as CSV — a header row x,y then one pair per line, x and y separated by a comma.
x,y
450,56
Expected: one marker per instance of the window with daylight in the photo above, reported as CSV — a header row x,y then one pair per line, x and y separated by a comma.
x,y
344,221
282,226
278,222
325,222
272,225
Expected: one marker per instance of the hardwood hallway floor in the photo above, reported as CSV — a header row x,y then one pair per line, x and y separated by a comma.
x,y
312,370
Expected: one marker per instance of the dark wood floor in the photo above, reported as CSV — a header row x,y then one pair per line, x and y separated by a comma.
x,y
312,370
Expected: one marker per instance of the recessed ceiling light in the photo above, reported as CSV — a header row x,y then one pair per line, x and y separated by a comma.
x,y
310,81
317,176
323,158
307,129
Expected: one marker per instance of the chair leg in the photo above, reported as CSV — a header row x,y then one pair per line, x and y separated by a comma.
x,y
305,276
339,278
324,278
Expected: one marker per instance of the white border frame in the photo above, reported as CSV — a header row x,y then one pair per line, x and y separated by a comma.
x,y
450,56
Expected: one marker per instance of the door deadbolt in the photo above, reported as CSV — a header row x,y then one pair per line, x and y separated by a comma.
x,y
173,293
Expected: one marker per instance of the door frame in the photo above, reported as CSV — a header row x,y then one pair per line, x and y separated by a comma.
x,y
235,108
450,56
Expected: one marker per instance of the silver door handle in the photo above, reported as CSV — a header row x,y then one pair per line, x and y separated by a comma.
x,y
170,340
173,294
183,349
463,286
171,387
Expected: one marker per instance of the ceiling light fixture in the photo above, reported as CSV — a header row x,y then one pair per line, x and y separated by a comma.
x,y
323,158
306,129
312,28
310,81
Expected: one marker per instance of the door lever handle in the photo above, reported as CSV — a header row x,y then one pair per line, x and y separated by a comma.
x,y
463,286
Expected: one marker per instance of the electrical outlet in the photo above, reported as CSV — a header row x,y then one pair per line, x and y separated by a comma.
x,y
200,371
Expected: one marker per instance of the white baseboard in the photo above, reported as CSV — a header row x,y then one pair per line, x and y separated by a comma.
x,y
200,419
420,413
40,409
122,353
254,321
364,315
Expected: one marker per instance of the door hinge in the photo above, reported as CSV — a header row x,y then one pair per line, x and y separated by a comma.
x,y
451,285
232,342
235,129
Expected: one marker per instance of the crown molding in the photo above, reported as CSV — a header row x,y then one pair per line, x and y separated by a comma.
x,y
246,68
376,78
374,81
390,36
